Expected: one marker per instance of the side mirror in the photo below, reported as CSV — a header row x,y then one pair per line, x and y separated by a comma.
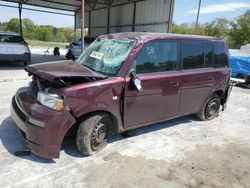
x,y
135,81
137,84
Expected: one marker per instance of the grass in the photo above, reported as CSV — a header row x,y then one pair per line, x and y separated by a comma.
x,y
47,44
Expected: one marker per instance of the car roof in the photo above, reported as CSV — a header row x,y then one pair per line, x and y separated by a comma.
x,y
9,33
144,36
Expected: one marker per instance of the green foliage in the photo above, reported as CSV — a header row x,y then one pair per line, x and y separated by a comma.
x,y
13,25
31,31
237,32
240,32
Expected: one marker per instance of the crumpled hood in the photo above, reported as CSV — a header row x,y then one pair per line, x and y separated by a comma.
x,y
59,69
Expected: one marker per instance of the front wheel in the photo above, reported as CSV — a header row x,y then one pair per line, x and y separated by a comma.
x,y
93,134
211,109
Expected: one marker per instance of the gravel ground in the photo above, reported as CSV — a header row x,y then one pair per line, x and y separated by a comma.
x,y
180,153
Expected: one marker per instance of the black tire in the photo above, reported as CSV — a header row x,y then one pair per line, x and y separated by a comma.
x,y
27,63
211,109
93,134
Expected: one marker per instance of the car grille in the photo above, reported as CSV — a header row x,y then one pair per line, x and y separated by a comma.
x,y
20,114
33,89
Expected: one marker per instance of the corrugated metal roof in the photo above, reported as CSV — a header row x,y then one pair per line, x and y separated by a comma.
x,y
72,5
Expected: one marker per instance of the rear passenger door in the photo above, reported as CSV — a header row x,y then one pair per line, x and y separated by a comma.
x,y
157,67
197,75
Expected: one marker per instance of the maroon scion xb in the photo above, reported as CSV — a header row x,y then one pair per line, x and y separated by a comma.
x,y
121,82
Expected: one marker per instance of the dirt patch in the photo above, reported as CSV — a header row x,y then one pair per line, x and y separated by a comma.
x,y
226,166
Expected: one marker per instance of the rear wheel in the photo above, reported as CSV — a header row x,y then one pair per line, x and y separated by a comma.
x,y
93,134
211,109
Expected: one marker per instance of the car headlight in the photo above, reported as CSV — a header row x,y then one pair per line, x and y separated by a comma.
x,y
50,100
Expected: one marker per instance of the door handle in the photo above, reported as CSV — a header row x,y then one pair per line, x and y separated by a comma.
x,y
174,83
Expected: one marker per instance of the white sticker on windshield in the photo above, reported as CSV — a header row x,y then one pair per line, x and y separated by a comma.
x,y
97,55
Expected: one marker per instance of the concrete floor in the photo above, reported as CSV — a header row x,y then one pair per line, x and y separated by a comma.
x,y
180,153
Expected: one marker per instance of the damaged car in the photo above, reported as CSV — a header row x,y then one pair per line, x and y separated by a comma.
x,y
121,82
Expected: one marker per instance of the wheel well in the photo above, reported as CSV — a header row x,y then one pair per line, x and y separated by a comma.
x,y
114,120
219,93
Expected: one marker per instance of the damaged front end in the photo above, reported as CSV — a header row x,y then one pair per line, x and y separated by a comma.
x,y
40,110
47,92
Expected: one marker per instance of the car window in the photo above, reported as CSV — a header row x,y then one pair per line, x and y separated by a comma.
x,y
89,40
157,56
192,54
208,54
220,54
11,38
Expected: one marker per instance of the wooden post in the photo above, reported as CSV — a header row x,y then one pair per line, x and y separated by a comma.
x,y
197,19
170,17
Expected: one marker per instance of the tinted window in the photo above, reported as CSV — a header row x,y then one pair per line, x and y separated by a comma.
x,y
220,54
157,56
192,54
10,38
208,54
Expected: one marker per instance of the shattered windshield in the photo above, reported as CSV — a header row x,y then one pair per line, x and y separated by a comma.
x,y
106,55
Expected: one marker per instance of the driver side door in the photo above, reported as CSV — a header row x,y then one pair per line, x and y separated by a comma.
x,y
156,67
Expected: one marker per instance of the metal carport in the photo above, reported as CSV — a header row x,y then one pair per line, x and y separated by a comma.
x,y
109,16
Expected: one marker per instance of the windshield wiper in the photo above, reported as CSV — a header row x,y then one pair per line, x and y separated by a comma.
x,y
93,69
89,67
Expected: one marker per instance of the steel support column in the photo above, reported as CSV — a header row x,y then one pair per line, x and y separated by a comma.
x,y
108,20
20,6
82,24
89,32
74,26
134,16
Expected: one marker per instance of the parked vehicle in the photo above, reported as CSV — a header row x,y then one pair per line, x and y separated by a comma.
x,y
75,48
240,65
14,48
121,82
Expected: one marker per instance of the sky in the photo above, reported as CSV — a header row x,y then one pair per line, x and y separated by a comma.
x,y
185,11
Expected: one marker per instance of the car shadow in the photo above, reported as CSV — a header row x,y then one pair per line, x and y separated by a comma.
x,y
35,59
13,141
69,144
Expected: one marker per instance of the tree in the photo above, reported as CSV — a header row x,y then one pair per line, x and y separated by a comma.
x,y
240,33
13,25
218,27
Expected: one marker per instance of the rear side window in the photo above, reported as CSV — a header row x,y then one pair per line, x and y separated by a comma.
x,y
11,38
220,54
192,54
157,56
208,54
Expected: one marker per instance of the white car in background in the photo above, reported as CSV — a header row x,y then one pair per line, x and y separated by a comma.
x,y
14,48
75,48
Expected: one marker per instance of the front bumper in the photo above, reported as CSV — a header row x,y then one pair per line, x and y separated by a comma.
x,y
43,141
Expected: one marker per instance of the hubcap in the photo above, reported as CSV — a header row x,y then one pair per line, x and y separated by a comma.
x,y
212,108
99,134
